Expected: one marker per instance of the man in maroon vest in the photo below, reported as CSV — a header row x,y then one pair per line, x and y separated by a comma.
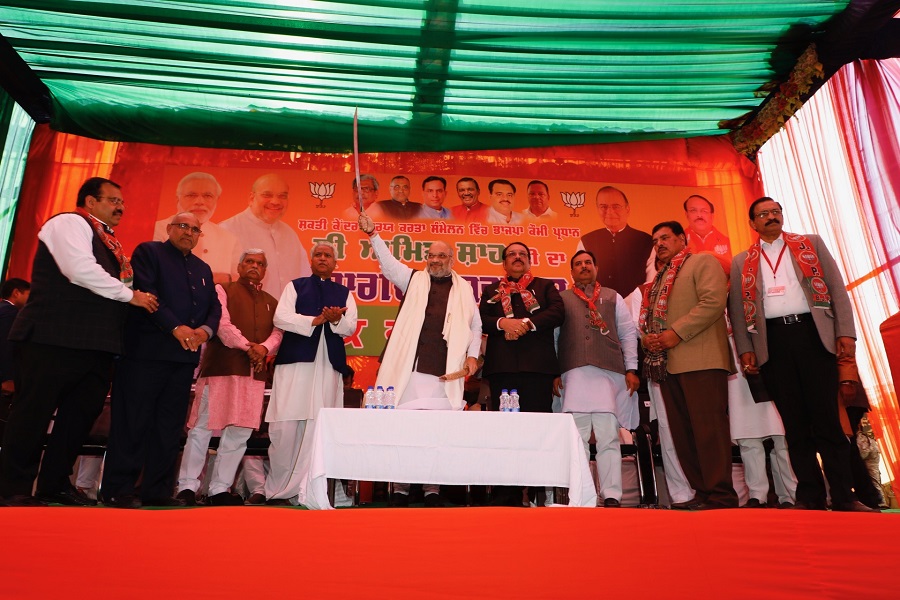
x,y
68,333
231,385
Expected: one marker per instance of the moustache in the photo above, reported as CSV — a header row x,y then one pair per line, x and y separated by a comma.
x,y
772,221
118,211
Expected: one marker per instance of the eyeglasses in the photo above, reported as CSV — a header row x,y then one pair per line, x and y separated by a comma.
x,y
185,227
775,212
615,207
112,200
441,256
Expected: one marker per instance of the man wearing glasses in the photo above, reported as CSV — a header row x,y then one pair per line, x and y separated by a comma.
x,y
67,334
702,235
624,255
792,319
437,332
368,193
399,207
152,387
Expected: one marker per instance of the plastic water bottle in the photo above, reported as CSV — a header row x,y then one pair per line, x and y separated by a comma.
x,y
379,397
370,397
389,399
514,401
504,401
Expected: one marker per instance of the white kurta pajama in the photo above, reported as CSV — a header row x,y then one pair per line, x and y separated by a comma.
x,y
462,332
751,423
299,391
598,400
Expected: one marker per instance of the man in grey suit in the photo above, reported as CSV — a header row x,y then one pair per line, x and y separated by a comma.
x,y
792,318
685,336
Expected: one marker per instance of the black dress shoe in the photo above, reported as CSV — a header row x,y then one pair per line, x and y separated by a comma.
x,y
399,500
855,506
785,505
126,501
188,497
22,501
163,502
611,503
278,502
807,506
754,503
686,505
224,499
433,501
255,500
69,497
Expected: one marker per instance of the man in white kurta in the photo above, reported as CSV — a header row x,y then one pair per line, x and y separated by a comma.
x,y
751,424
198,193
437,332
315,313
260,226
597,349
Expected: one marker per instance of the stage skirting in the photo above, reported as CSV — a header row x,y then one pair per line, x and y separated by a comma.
x,y
472,553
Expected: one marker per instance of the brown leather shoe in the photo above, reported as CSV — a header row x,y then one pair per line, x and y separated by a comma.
x,y
855,506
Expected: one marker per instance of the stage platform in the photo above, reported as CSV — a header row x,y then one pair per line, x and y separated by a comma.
x,y
447,553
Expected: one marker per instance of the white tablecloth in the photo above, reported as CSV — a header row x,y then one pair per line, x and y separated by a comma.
x,y
443,447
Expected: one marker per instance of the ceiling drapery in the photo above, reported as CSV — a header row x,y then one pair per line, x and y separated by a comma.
x,y
425,74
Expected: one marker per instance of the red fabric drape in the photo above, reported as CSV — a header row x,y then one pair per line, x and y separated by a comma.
x,y
866,99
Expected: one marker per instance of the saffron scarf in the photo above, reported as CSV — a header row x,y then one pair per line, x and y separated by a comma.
x,y
507,288
108,237
805,254
595,319
654,321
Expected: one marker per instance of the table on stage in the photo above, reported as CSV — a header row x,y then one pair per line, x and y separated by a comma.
x,y
443,447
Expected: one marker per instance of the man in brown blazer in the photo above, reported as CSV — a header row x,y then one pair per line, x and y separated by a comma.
x,y
791,319
684,332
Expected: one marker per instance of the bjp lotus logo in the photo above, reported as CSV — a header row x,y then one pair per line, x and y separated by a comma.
x,y
321,192
573,200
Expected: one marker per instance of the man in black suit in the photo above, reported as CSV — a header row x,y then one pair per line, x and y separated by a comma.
x,y
623,253
152,387
13,295
519,314
67,335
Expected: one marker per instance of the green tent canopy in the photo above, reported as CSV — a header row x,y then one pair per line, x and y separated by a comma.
x,y
424,75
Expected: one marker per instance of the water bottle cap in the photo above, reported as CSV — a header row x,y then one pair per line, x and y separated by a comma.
x,y
390,387
372,387
381,388
505,392
515,391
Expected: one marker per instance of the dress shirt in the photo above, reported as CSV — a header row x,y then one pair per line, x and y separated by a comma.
x,y
426,212
793,302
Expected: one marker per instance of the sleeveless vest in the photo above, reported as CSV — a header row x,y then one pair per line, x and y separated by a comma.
x,y
60,313
581,345
314,294
251,311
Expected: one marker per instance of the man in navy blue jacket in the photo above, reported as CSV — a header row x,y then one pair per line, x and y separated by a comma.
x,y
152,386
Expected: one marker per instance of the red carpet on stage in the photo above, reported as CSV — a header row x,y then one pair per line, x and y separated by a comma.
x,y
471,553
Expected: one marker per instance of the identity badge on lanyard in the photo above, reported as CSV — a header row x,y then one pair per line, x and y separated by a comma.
x,y
775,290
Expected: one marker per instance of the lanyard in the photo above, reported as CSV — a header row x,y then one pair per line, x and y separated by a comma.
x,y
777,263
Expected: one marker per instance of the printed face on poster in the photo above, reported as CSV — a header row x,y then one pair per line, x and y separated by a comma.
x,y
285,211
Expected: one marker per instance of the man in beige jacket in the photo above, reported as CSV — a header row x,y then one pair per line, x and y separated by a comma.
x,y
684,333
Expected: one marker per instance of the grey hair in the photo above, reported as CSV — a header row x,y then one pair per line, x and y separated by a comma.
x,y
197,175
252,251
312,250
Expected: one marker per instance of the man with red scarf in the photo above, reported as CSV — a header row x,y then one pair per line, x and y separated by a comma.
x,y
519,314
792,319
67,335
683,329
